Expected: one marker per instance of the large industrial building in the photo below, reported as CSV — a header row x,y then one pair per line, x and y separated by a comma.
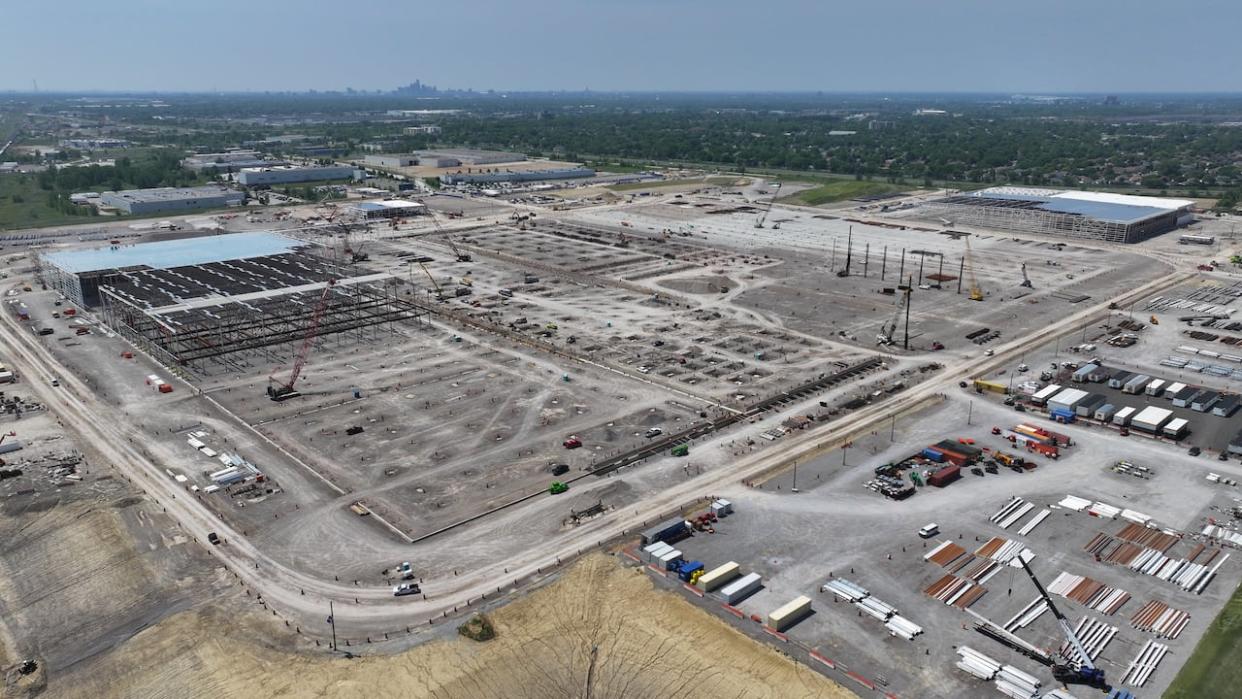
x,y
196,303
170,199
465,157
1116,218
389,160
516,176
288,174
230,161
389,208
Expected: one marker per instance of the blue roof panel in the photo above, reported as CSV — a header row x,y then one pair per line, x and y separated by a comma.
x,y
166,254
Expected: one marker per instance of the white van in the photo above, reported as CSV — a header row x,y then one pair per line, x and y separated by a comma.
x,y
929,530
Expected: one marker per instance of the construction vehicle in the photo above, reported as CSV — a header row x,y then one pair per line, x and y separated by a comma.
x,y
280,391
1079,669
976,294
461,255
557,488
763,215
434,284
1026,281
1154,320
889,329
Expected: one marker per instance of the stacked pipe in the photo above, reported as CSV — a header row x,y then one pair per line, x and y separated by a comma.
x,y
1094,635
1034,522
1161,619
1144,664
1014,504
1059,693
1027,616
1223,534
903,627
1015,683
845,589
1094,595
976,663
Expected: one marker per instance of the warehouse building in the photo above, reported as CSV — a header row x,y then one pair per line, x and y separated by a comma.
x,y
1116,218
288,174
465,157
170,199
517,176
1151,419
230,161
391,160
389,208
1067,400
428,130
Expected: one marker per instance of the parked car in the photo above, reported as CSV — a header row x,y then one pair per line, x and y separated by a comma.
x,y
654,432
214,538
406,589
1194,451
572,443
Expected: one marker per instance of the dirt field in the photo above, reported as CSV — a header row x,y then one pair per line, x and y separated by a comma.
x,y
647,643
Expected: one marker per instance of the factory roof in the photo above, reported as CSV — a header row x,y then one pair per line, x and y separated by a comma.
x,y
1103,206
174,253
389,204
169,193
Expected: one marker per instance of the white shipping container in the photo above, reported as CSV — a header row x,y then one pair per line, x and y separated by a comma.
x,y
652,553
1122,416
719,576
790,613
739,588
671,557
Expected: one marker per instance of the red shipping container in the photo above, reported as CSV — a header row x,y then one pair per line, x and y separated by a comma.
x,y
165,388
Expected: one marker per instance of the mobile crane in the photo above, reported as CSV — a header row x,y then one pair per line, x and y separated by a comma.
x,y
1078,670
280,391
1026,280
976,294
457,252
888,331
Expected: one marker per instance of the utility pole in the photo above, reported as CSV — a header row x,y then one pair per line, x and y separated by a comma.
x,y
909,302
884,263
961,270
922,258
866,259
970,411
832,264
332,621
849,251
941,270
902,271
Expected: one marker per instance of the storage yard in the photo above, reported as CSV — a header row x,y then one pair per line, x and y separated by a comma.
x,y
490,390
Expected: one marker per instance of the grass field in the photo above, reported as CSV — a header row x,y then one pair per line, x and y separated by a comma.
x,y
1214,670
24,205
839,190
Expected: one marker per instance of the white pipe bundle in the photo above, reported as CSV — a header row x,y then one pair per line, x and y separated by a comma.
x,y
1014,503
1034,522
976,663
1016,515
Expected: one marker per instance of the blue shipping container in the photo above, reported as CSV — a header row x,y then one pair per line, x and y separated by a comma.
x,y
933,454
687,569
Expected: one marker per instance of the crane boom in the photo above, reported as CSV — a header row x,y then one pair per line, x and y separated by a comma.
x,y
976,294
763,215
1086,673
287,389
461,256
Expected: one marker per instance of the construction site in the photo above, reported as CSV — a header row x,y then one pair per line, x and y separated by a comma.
x,y
412,418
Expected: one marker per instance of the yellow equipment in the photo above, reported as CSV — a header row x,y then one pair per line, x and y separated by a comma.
x,y
1155,320
976,294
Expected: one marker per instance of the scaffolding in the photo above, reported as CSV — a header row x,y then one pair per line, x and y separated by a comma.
x,y
1022,216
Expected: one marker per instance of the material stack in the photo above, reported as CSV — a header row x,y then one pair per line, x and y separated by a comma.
x,y
975,663
1015,683
1095,636
1144,664
1089,593
1160,619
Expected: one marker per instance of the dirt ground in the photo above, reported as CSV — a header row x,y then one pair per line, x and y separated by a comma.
x,y
646,644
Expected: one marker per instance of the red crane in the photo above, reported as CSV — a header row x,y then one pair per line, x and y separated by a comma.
x,y
278,391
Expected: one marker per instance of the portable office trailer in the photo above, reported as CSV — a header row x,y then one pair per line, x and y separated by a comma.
x,y
1173,389
1183,397
1204,401
1105,412
1087,406
1067,399
1083,373
1123,415
1136,384
652,552
1151,419
740,588
1156,387
790,613
715,578
1176,428
1119,378
1042,395
1226,406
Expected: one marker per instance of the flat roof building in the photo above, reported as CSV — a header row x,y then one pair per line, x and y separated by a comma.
x,y
228,161
166,199
390,208
517,176
457,157
391,160
76,274
1117,218
287,174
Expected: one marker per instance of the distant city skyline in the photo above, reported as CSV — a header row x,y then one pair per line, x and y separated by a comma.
x,y
1056,46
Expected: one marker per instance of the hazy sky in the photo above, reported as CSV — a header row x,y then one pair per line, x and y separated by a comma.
x,y
880,45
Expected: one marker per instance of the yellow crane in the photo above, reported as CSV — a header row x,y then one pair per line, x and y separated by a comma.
x,y
976,294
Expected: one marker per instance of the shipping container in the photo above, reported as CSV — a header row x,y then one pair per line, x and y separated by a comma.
x,y
166,388
688,569
722,508
652,552
669,560
993,386
933,454
719,576
1105,412
739,589
790,613
1065,415
944,476
669,531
